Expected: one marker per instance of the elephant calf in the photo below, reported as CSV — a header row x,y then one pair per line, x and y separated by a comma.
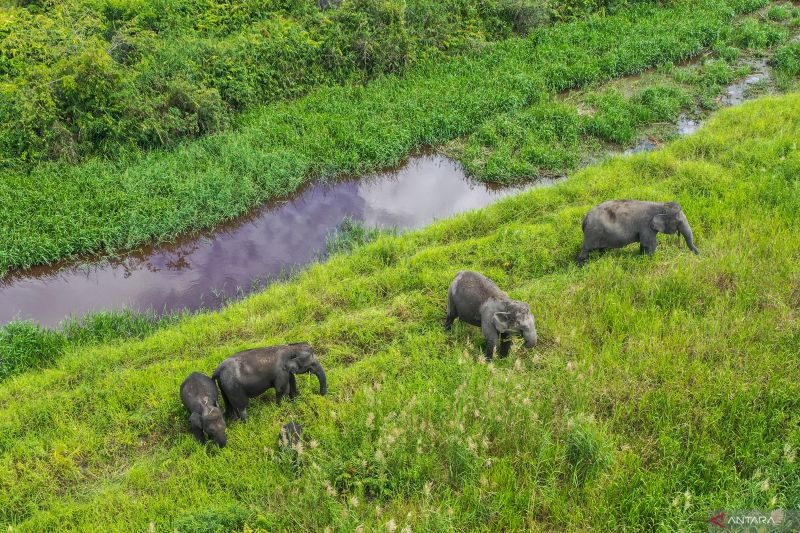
x,y
247,374
477,300
199,396
617,223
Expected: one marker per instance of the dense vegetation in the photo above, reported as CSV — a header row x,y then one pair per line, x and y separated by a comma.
x,y
662,387
83,77
555,136
25,345
59,210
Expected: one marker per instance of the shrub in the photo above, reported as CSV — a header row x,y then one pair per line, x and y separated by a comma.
x,y
787,59
25,345
758,35
587,451
213,520
351,234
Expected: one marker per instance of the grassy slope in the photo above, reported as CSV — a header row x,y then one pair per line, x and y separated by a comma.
x,y
662,387
59,210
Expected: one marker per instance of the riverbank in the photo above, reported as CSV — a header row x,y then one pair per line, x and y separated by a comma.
x,y
662,388
59,211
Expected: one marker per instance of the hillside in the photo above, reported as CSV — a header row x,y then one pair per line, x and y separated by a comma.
x,y
662,388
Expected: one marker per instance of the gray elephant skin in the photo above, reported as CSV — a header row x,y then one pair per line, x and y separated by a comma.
x,y
477,300
617,223
199,396
247,374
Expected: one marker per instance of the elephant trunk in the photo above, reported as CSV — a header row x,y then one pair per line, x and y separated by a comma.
x,y
323,381
529,334
686,231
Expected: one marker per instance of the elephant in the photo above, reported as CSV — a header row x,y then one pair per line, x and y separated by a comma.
x,y
617,223
199,396
247,374
477,300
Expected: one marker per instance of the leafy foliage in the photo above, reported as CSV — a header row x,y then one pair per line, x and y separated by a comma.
x,y
82,77
59,210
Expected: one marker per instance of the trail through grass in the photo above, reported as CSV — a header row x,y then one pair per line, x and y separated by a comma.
x,y
662,387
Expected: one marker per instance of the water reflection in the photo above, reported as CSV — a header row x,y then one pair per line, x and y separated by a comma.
x,y
199,271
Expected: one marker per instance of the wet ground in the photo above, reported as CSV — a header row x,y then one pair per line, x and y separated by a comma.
x,y
205,270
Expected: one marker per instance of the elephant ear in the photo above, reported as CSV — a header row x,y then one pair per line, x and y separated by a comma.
x,y
659,223
501,321
196,420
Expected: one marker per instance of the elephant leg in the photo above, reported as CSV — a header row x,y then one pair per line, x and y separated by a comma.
x,y
490,334
198,434
292,387
505,345
583,255
647,242
451,314
236,404
283,388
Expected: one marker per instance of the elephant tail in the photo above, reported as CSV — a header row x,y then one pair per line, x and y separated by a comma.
x,y
215,376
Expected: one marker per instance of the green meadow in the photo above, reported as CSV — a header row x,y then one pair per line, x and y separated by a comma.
x,y
61,209
662,387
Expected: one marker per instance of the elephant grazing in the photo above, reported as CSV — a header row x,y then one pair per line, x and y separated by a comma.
x,y
477,300
617,223
247,374
199,396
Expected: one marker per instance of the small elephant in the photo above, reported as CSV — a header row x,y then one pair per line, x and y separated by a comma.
x,y
199,396
477,300
247,374
617,223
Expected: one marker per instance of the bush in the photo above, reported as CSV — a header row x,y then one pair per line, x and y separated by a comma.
x,y
787,59
213,521
587,451
758,35
25,345
351,234
83,79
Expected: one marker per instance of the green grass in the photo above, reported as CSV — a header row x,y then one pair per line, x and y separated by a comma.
x,y
87,77
59,210
25,345
662,387
554,137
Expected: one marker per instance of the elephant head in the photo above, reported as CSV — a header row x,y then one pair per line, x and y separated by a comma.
x,y
672,220
516,317
302,360
212,422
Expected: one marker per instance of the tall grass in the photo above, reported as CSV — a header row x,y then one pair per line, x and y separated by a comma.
x,y
58,211
25,345
662,387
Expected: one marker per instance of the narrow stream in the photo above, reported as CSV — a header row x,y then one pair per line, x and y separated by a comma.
x,y
205,270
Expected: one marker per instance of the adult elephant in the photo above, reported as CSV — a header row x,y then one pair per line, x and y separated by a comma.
x,y
617,223
248,374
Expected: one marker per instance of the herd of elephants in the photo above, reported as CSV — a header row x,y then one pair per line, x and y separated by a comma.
x,y
472,297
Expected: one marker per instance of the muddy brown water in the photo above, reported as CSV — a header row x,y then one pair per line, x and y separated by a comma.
x,y
205,270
